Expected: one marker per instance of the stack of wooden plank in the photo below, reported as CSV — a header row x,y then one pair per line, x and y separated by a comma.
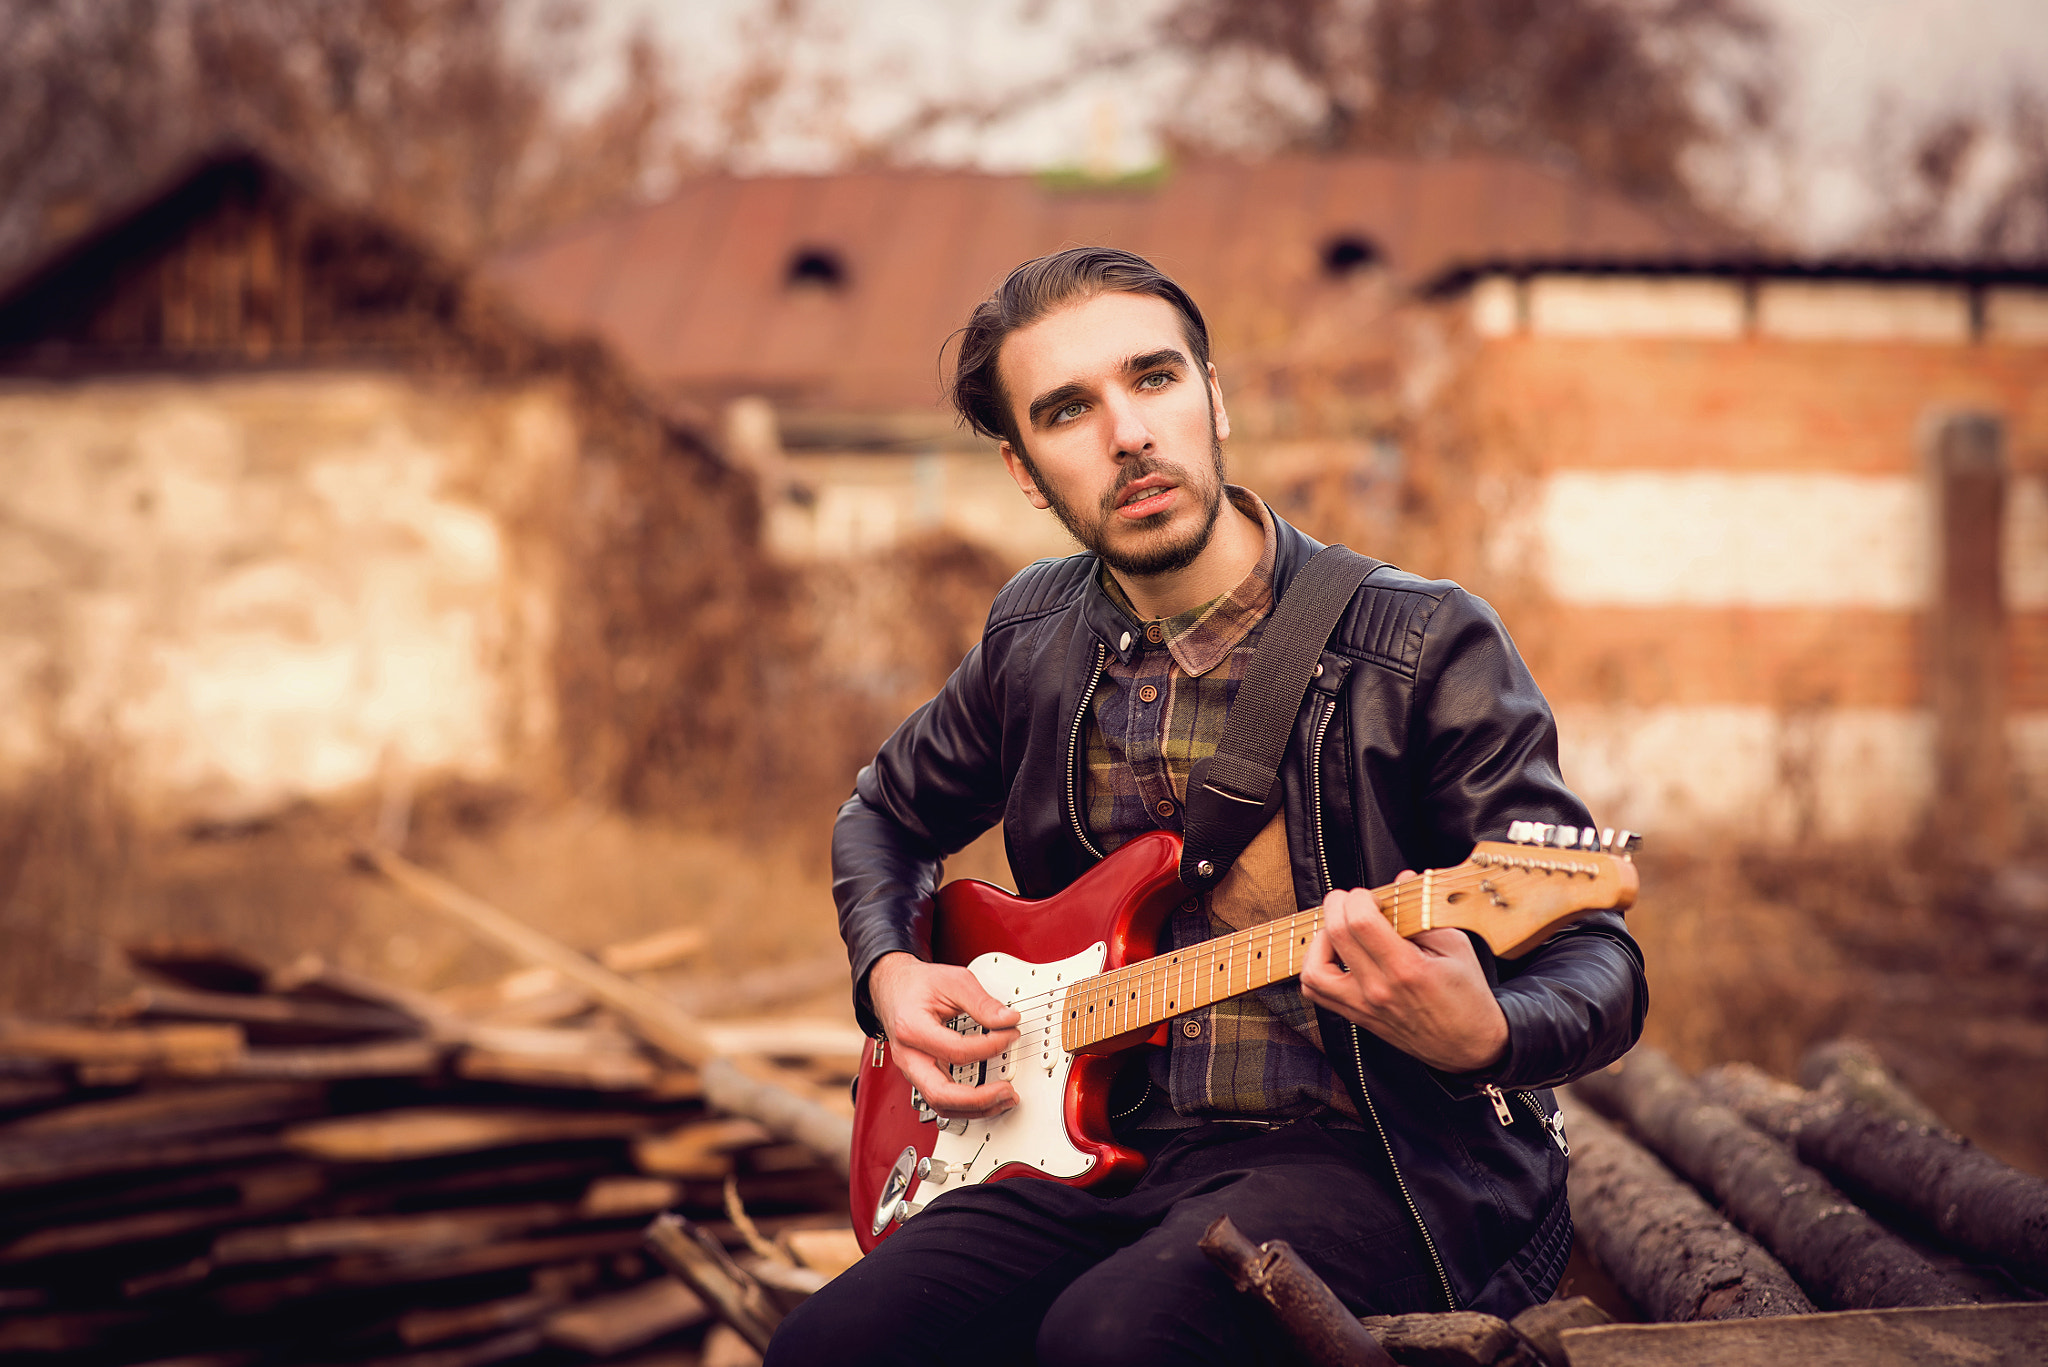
x,y
242,1165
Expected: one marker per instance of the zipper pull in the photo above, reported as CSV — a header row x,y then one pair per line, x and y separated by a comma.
x,y
1500,1104
1556,1127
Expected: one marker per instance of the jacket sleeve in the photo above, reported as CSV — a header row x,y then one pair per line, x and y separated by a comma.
x,y
1487,756
934,786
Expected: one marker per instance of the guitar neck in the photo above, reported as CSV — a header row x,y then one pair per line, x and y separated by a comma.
x,y
1480,895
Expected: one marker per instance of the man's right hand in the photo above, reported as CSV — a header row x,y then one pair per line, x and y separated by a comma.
x,y
914,1000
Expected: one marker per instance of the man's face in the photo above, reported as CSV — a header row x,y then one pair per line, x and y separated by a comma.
x,y
1121,436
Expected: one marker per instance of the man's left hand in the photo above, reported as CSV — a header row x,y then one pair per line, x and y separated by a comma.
x,y
1426,996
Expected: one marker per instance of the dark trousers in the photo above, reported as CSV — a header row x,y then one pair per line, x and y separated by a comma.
x,y
1030,1271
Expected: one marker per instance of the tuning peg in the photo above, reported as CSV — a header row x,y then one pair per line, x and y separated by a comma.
x,y
1607,839
1518,831
1627,843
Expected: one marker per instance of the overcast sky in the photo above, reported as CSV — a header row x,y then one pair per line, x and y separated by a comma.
x,y
1844,59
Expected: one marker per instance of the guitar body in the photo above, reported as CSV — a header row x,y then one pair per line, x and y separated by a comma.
x,y
1022,950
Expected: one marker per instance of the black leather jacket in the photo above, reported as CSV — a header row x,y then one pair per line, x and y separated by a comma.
x,y
1423,734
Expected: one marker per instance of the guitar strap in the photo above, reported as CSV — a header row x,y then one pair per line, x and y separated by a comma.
x,y
1235,791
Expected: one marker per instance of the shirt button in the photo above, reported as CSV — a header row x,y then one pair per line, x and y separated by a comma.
x,y
1164,808
1155,633
1148,693
1192,1029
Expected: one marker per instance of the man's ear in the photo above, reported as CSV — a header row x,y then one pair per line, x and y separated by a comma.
x,y
1021,472
1216,405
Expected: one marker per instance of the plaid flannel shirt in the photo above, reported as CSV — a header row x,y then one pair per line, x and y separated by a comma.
x,y
1260,1054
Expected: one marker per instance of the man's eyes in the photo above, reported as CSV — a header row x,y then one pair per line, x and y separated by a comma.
x,y
1072,410
1164,378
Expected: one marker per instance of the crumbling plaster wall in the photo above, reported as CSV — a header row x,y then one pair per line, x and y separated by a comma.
x,y
241,590
1714,534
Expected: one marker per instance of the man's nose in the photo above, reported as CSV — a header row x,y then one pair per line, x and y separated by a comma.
x,y
1128,432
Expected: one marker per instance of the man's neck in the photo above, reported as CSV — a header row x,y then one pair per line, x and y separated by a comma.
x,y
1233,551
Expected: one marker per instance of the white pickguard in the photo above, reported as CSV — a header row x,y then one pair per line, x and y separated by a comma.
x,y
1034,1133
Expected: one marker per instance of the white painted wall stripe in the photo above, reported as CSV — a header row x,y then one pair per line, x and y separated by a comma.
x,y
1861,311
1760,773
1634,306
1725,540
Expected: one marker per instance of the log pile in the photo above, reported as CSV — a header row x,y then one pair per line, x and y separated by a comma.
x,y
1846,1195
241,1165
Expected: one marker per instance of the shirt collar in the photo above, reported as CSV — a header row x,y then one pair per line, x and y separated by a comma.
x,y
1202,638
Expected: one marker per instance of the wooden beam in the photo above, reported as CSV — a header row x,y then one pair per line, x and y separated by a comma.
x,y
1952,1336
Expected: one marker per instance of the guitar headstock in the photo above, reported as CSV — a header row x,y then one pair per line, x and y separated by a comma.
x,y
1516,895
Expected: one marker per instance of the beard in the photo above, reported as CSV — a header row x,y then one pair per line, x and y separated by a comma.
x,y
1157,555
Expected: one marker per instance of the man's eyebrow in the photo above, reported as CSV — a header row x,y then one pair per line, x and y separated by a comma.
x,y
1152,360
1053,400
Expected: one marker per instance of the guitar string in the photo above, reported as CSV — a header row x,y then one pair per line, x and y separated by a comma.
x,y
1038,1011
1203,956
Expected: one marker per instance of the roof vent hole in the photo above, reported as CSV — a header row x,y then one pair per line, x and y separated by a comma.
x,y
1349,254
817,267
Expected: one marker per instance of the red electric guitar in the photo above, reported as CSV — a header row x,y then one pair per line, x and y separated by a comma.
x,y
1080,969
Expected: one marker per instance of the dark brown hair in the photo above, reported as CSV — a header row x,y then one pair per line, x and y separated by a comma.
x,y
1035,289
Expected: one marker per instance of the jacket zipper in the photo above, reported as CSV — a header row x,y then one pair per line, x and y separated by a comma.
x,y
1552,1125
1073,753
1315,788
1315,791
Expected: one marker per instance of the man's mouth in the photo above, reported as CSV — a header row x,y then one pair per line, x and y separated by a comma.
x,y
1145,498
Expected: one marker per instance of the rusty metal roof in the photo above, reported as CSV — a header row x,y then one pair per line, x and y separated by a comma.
x,y
708,294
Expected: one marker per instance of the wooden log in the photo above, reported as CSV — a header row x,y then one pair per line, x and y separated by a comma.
x,y
607,1325
42,1165
1461,1338
365,1272
423,1328
290,1187
315,976
788,1105
830,1251
519,1343
206,965
1852,1070
725,1346
663,949
701,1263
33,1093
190,1045
597,1072
615,1198
657,1020
1953,1336
332,1063
1542,1327
1672,1253
791,1106
71,1331
264,1019
1326,1333
422,1132
789,1039
1967,1198
702,1150
1842,1257
388,1236
167,1111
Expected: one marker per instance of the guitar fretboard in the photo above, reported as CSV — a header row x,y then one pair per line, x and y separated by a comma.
x,y
1142,994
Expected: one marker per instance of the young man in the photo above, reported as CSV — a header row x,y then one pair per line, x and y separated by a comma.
x,y
1386,1115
